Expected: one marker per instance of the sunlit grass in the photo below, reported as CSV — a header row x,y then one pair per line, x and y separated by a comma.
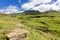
x,y
46,22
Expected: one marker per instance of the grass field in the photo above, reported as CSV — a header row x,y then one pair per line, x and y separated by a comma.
x,y
40,27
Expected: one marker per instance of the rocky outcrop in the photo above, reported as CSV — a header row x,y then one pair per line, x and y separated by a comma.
x,y
17,34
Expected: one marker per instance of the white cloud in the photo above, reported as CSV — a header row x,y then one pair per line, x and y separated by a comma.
x,y
10,9
39,1
32,3
55,7
42,7
1,10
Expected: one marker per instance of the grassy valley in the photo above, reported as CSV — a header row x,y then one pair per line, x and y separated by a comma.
x,y
41,26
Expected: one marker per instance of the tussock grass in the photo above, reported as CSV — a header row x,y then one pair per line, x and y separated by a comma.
x,y
49,22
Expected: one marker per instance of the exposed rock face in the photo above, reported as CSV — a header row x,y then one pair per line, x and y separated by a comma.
x,y
19,25
17,34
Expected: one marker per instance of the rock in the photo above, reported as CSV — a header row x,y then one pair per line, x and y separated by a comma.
x,y
17,34
19,25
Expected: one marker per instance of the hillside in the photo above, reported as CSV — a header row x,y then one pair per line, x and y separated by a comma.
x,y
41,26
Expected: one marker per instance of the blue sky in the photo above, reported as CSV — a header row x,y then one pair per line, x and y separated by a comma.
x,y
10,6
5,3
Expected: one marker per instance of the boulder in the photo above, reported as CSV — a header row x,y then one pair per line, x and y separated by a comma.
x,y
17,34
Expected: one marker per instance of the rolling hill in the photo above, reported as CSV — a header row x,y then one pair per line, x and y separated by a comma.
x,y
41,26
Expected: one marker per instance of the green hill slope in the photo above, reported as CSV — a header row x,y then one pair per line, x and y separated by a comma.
x,y
40,27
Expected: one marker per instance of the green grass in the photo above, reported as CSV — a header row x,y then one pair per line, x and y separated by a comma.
x,y
45,27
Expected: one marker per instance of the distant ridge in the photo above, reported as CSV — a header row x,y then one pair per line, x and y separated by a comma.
x,y
32,12
35,12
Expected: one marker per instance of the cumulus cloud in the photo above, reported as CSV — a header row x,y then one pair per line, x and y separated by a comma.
x,y
40,5
32,3
10,9
44,5
42,8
